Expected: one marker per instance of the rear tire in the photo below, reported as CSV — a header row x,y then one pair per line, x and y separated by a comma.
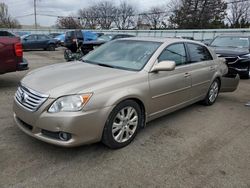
x,y
122,124
212,93
51,47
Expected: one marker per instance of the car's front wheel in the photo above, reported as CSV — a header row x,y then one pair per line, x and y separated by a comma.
x,y
213,93
122,125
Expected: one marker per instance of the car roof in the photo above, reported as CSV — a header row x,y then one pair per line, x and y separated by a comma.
x,y
233,35
162,40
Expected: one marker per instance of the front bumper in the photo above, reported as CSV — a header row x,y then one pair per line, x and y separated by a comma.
x,y
84,127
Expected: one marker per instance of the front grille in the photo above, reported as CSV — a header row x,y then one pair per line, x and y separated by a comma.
x,y
29,99
230,60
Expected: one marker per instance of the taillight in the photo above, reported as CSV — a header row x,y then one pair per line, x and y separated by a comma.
x,y
19,50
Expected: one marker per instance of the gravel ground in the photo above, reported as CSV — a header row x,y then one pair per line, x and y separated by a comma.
x,y
195,147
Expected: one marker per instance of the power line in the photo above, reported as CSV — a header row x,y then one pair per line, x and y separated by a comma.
x,y
25,15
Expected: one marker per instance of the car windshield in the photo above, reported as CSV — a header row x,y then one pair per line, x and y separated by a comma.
x,y
105,38
231,41
123,54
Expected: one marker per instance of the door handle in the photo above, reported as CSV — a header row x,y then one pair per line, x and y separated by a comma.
x,y
187,74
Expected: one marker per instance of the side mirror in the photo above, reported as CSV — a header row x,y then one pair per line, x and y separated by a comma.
x,y
164,66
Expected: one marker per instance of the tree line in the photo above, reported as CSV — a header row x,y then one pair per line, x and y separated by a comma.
x,y
6,21
176,14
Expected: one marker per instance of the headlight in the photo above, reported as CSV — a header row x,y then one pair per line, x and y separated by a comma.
x,y
71,103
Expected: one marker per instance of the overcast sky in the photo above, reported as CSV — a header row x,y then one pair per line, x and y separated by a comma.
x,y
20,9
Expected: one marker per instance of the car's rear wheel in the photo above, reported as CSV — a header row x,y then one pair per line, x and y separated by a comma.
x,y
51,47
122,125
213,93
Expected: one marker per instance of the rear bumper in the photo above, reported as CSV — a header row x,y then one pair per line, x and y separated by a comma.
x,y
23,65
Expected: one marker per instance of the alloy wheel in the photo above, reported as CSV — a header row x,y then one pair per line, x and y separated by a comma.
x,y
213,92
124,124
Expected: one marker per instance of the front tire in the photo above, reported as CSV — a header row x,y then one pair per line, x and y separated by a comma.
x,y
247,74
122,125
212,93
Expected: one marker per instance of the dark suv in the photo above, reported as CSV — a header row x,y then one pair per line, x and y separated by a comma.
x,y
236,50
71,37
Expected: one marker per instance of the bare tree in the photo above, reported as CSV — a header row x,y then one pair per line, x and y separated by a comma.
x,y
154,17
239,13
88,17
125,16
105,13
68,23
6,21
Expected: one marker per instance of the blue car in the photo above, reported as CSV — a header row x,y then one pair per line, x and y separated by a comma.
x,y
38,41
60,38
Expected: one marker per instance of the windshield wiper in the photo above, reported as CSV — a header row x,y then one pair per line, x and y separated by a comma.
x,y
95,63
105,65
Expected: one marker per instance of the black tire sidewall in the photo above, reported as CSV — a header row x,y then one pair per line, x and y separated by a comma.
x,y
51,47
107,137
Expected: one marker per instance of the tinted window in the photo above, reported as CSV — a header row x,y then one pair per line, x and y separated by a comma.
x,y
198,53
79,35
70,34
42,37
6,34
31,37
175,52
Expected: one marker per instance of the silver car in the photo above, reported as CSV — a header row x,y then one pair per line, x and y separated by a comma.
x,y
116,89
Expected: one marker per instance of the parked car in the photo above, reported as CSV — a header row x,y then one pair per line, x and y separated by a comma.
x,y
78,36
11,53
38,41
236,50
116,89
60,39
91,45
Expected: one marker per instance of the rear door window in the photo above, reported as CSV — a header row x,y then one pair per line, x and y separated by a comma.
x,y
198,53
79,35
42,37
31,37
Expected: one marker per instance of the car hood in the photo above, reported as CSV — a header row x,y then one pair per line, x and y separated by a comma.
x,y
229,51
71,78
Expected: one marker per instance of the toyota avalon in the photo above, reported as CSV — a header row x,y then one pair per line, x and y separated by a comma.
x,y
116,89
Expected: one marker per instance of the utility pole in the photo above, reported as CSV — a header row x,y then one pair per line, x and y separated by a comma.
x,y
35,14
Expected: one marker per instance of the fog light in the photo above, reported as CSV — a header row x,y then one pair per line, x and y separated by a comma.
x,y
64,136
